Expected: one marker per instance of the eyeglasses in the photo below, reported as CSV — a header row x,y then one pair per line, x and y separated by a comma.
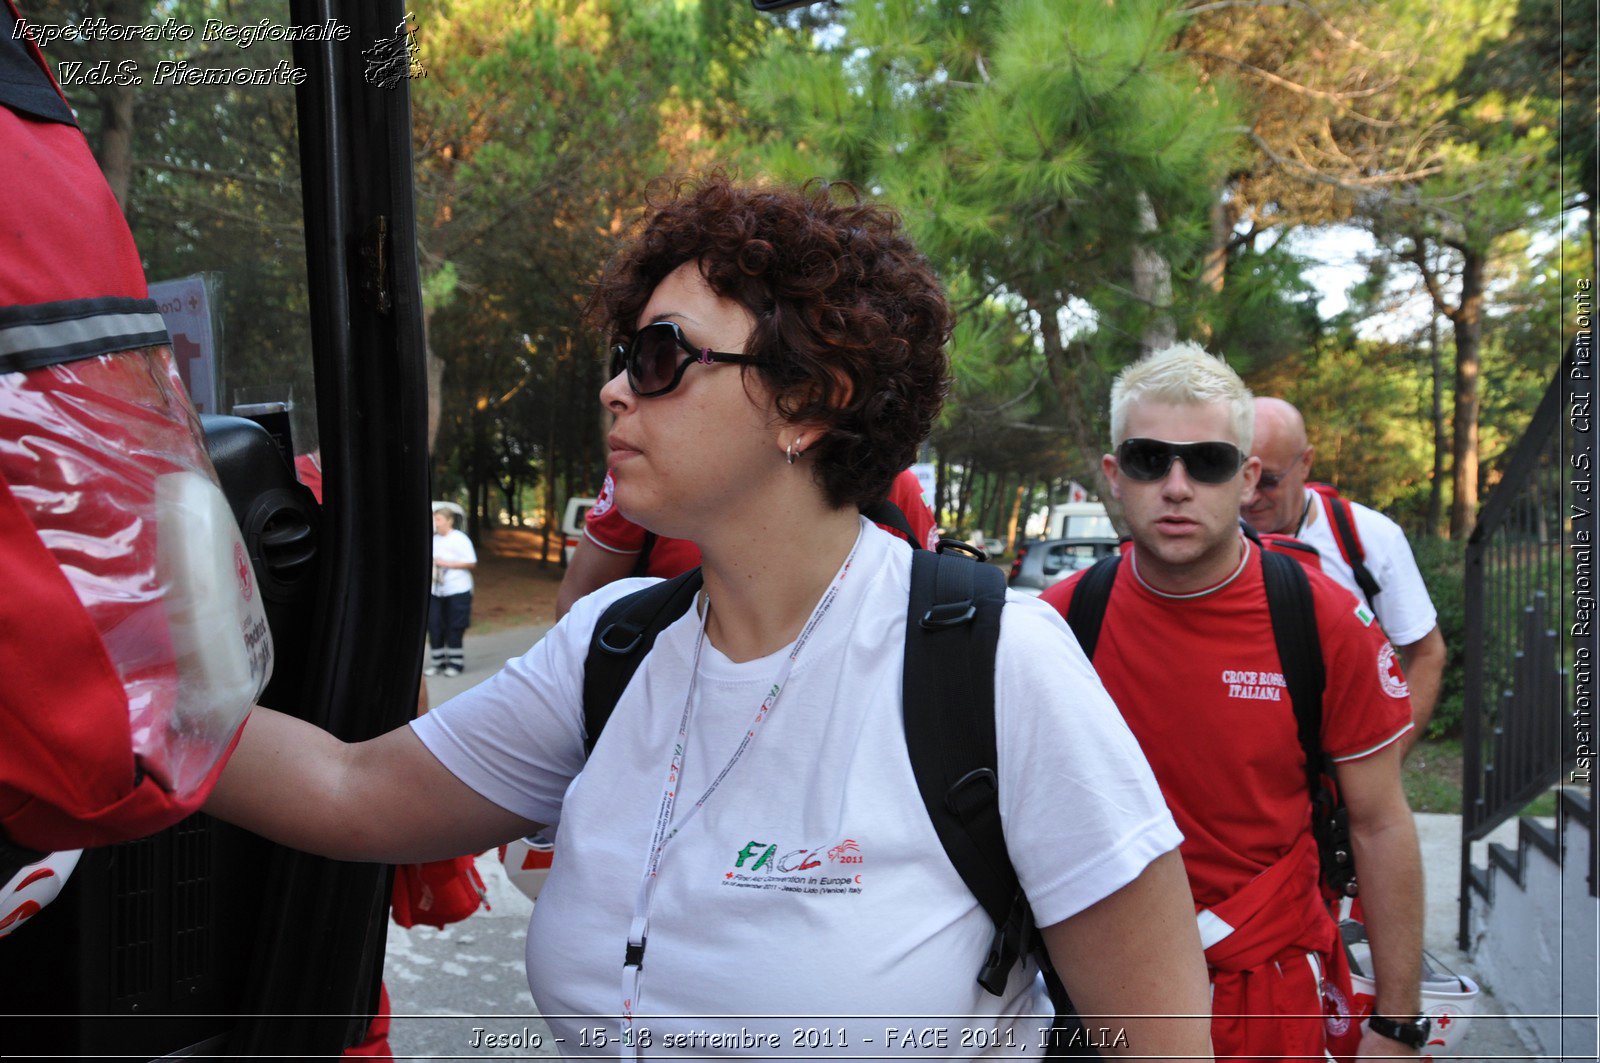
x,y
1212,462
1270,480
651,358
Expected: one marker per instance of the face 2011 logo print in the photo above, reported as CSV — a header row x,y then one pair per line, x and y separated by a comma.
x,y
761,865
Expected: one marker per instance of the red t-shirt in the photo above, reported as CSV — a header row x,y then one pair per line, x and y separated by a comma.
x,y
608,529
1199,683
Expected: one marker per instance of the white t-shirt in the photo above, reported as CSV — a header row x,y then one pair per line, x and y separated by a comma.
x,y
453,545
811,891
1402,605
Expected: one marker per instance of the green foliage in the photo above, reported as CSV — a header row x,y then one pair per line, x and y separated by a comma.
x,y
213,183
1431,776
537,129
1267,313
1028,143
1365,404
1442,564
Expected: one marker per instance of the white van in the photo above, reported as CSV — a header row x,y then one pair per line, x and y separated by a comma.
x,y
572,526
1079,520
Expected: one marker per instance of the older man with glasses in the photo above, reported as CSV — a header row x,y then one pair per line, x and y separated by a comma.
x,y
1187,648
1394,589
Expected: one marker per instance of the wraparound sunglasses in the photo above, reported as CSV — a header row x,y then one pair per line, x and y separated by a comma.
x,y
1210,462
658,356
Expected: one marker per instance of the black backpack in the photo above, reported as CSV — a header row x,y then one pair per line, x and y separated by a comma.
x,y
952,632
1294,628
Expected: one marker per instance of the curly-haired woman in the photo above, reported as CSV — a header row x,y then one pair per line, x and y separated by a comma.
x,y
780,358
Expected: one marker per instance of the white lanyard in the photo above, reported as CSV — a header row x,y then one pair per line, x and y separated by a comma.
x,y
664,832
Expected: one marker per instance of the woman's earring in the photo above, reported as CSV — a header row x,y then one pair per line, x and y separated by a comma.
x,y
791,452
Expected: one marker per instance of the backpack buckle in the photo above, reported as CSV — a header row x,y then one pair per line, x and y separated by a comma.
x,y
962,806
1007,946
956,546
949,614
632,633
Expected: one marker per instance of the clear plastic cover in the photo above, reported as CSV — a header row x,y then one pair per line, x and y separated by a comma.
x,y
105,457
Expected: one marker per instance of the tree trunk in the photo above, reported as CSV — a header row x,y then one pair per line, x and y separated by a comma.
x,y
1073,378
1016,514
1214,267
969,479
1468,322
116,140
1152,282
990,521
433,369
115,150
550,502
1441,442
941,489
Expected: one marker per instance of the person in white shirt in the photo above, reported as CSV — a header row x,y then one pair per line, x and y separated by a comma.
x,y
1285,505
779,355
450,597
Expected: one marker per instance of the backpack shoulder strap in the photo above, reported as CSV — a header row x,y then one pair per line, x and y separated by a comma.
x,y
952,634
1089,599
1294,628
623,635
1345,534
889,515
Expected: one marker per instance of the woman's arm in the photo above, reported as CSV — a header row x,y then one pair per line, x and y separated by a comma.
x,y
386,800
1132,963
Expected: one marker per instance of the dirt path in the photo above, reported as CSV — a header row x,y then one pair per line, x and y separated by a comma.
x,y
511,588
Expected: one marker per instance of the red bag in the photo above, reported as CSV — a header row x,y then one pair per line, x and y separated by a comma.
x,y
437,893
116,545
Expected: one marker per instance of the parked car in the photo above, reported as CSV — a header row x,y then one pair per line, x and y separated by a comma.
x,y
572,526
1043,563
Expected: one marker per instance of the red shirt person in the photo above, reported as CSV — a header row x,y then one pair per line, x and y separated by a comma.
x,y
611,543
1186,650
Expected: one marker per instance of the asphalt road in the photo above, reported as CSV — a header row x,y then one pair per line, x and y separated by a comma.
x,y
462,992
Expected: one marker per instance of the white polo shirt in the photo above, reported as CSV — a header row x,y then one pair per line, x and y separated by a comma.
x,y
1402,605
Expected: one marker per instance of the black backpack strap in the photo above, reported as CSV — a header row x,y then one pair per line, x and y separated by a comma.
x,y
952,634
1294,628
1089,598
625,632
890,515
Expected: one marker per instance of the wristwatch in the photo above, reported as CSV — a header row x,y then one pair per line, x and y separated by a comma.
x,y
1412,1032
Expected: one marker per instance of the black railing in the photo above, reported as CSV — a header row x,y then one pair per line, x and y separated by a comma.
x,y
1517,737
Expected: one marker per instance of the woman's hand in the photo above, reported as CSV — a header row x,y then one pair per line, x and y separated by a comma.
x,y
1133,964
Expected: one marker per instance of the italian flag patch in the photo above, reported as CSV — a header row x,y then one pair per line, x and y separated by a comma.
x,y
1364,615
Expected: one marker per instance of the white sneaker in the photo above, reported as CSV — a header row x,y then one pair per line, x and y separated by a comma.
x,y
430,670
450,672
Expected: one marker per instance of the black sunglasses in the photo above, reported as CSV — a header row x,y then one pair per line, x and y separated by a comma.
x,y
1211,462
652,362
